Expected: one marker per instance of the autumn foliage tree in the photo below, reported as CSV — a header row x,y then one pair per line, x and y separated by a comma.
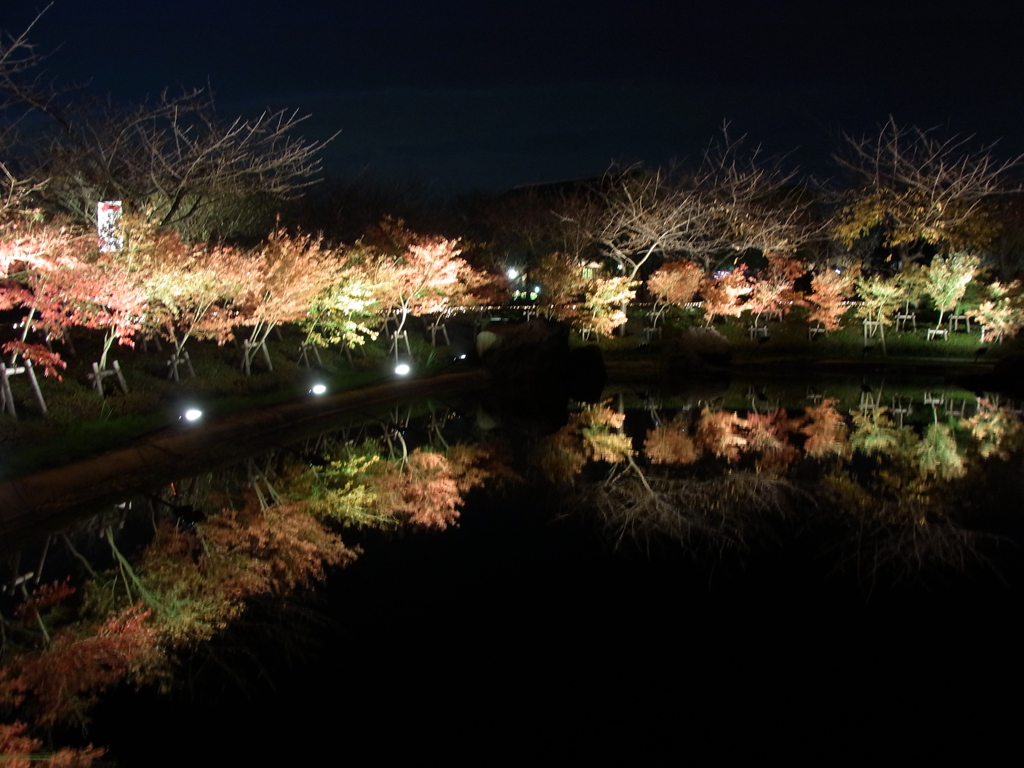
x,y
422,275
282,279
675,283
190,289
946,279
830,288
577,292
917,187
723,294
773,291
881,297
1001,312
347,311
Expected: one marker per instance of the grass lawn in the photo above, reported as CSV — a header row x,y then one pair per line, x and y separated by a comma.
x,y
81,422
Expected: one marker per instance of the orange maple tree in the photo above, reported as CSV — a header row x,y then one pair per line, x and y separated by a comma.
x,y
829,289
723,293
773,290
675,283
282,279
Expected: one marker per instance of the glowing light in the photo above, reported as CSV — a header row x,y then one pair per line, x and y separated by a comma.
x,y
402,369
462,357
193,414
536,289
512,273
318,389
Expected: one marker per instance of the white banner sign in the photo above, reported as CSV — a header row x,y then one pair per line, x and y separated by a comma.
x,y
108,225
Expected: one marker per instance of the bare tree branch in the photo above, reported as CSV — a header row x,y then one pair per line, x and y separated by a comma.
x,y
169,159
917,186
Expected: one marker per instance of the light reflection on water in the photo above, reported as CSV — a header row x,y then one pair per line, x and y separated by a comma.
x,y
887,484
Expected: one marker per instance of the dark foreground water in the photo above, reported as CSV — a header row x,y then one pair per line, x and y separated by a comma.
x,y
512,640
536,631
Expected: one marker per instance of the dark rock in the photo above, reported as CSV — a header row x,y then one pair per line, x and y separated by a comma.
x,y
696,349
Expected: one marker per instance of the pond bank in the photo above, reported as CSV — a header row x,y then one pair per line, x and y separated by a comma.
x,y
37,500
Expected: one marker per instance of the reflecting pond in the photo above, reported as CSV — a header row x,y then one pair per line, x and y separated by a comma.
x,y
815,562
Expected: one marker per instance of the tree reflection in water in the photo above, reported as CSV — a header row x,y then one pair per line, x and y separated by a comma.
x,y
131,596
886,500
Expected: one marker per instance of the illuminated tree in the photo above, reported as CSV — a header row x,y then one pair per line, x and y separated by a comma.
x,y
881,297
190,289
416,275
602,311
51,272
283,279
675,283
919,188
723,294
107,294
1001,314
346,312
773,290
946,280
565,282
829,290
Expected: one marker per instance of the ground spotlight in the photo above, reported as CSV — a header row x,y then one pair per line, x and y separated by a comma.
x,y
193,414
402,369
319,389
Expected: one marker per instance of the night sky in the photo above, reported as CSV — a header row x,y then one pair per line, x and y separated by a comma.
x,y
465,95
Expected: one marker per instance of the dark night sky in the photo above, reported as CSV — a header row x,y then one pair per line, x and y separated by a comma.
x,y
466,94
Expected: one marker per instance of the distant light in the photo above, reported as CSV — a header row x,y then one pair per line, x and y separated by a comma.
x,y
318,389
512,273
402,369
536,289
462,357
193,414
839,271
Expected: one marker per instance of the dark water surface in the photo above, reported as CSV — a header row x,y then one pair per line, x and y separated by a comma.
x,y
535,632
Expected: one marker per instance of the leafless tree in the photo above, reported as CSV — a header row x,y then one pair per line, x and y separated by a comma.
x,y
760,204
17,55
730,203
170,158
